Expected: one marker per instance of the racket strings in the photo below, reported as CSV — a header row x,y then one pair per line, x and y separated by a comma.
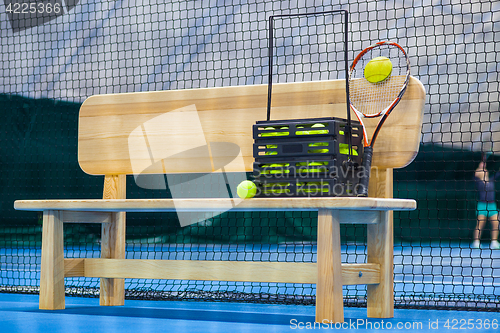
x,y
372,98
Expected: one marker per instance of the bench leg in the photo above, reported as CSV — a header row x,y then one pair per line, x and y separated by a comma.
x,y
113,246
52,266
329,302
380,250
112,291
380,297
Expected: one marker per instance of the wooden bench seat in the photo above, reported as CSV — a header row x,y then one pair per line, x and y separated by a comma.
x,y
111,143
361,205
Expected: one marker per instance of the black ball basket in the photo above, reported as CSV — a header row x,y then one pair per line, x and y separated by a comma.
x,y
306,157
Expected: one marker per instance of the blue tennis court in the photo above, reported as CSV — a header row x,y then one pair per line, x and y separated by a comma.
x,y
19,313
481,278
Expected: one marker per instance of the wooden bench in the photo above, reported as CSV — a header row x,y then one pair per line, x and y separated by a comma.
x,y
106,146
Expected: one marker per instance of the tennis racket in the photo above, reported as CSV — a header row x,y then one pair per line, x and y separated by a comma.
x,y
370,100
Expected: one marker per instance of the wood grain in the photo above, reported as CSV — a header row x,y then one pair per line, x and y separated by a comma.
x,y
108,122
52,266
380,250
279,272
69,216
74,267
214,205
329,301
113,241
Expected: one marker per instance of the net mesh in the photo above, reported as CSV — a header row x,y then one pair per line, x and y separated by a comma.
x,y
52,63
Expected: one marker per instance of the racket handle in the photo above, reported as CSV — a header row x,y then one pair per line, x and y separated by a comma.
x,y
362,190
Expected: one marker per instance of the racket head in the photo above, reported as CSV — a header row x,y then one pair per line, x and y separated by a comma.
x,y
375,99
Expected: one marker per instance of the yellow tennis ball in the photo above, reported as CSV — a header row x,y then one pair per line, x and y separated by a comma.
x,y
344,149
378,69
246,189
318,144
318,125
267,134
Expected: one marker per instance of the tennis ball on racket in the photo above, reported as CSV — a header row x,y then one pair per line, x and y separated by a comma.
x,y
246,189
378,69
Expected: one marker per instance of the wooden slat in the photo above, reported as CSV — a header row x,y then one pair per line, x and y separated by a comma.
x,y
211,205
118,131
329,301
74,267
85,217
354,274
52,266
279,272
201,270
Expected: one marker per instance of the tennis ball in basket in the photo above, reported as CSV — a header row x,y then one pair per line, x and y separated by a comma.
x,y
378,69
344,149
269,134
309,132
274,133
318,131
246,189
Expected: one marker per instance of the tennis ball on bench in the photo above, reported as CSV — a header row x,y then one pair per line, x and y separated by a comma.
x,y
246,189
378,69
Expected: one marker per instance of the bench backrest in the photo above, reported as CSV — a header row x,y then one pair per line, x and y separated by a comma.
x,y
205,130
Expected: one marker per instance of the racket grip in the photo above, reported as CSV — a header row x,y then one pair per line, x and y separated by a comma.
x,y
362,190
